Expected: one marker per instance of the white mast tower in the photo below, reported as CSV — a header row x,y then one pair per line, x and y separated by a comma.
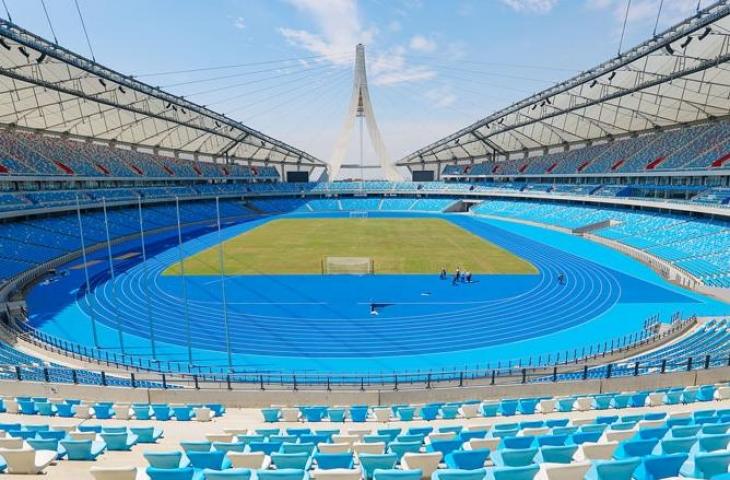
x,y
361,108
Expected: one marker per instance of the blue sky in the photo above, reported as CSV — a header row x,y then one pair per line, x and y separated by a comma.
x,y
434,65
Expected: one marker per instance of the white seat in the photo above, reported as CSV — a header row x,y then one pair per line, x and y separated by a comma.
x,y
27,460
359,432
374,447
426,462
546,405
680,415
577,422
583,404
252,460
114,473
595,451
122,411
348,439
236,431
479,427
337,474
381,414
440,436
561,471
654,399
289,414
534,432
82,435
219,437
11,406
203,414
334,447
616,435
83,412
478,443
65,428
469,410
11,443
722,393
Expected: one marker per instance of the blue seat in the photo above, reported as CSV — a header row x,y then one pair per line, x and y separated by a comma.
x,y
565,430
4,465
565,404
716,428
399,448
283,474
376,438
449,412
467,459
429,412
24,434
183,413
552,440
299,460
556,454
53,434
83,449
635,448
711,443
89,428
706,465
443,446
457,474
638,399
653,433
121,441
467,435
518,442
508,407
146,434
217,408
527,406
620,401
360,414
284,438
49,444
606,419
613,469
314,414
142,412
513,473
170,473
266,447
307,448
27,407
579,438
420,431
602,402
514,458
267,432
556,422
489,409
676,445
336,414
684,431
246,439
372,461
328,461
271,415
64,410
162,412
689,395
392,433
656,467
172,459
393,474
103,411
45,408
672,397
229,474
315,438
214,460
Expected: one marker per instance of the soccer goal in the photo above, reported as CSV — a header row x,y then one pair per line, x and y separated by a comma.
x,y
358,214
348,266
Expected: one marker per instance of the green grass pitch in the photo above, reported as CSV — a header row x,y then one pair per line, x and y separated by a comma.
x,y
397,246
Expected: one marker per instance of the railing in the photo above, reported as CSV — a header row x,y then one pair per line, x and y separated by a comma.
x,y
393,381
586,361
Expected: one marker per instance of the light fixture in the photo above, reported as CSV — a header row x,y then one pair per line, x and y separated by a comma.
x,y
704,35
103,83
669,49
593,83
41,58
5,44
121,89
611,77
687,41
23,51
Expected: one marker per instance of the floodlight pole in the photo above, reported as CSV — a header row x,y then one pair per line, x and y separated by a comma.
x,y
86,274
186,311
226,327
146,286
113,278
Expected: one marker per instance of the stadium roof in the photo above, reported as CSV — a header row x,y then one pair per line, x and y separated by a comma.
x,y
46,87
678,76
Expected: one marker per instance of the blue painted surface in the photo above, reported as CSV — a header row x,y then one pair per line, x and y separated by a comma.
x,y
322,323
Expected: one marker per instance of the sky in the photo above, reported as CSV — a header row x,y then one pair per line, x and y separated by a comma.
x,y
284,67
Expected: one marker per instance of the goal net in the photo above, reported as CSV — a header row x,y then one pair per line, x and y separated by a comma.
x,y
358,214
348,266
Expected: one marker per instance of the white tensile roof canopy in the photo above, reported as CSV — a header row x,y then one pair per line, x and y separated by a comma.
x,y
679,76
47,88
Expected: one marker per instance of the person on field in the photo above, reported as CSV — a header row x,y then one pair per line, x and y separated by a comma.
x,y
467,275
561,278
443,274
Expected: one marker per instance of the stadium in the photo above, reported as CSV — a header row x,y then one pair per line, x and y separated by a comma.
x,y
187,297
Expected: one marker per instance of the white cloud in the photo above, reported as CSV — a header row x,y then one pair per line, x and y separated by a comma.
x,y
339,29
395,26
441,96
645,11
531,6
391,67
420,43
239,23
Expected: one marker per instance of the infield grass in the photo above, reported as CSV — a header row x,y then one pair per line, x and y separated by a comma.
x,y
397,246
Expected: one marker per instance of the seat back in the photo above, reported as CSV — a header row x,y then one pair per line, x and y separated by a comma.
x,y
558,454
113,473
163,459
254,460
515,473
20,460
713,463
228,474
393,474
574,471
170,473
664,466
298,460
372,461
468,459
616,469
77,449
458,474
283,474
212,460
329,461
